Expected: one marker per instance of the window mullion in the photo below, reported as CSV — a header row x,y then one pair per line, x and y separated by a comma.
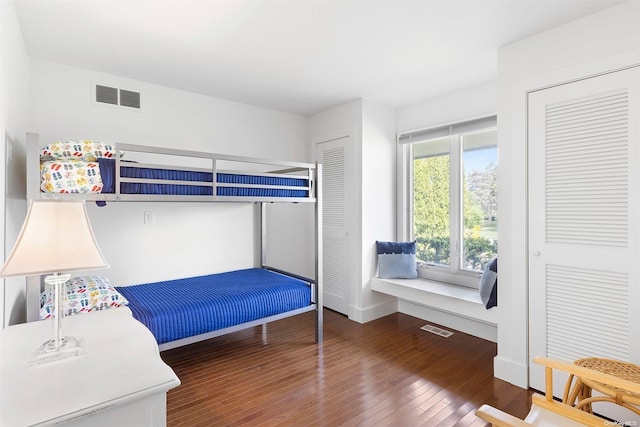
x,y
455,202
407,227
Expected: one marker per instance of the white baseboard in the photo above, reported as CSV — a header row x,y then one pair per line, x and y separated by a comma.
x,y
511,372
374,312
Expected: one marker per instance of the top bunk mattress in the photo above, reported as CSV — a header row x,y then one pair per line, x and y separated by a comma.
x,y
93,168
77,176
177,309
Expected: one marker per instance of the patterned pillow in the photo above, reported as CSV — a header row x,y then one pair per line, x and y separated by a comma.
x,y
397,260
82,295
86,150
70,176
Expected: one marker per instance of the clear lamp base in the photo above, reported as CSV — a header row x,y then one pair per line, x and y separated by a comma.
x,y
58,348
48,352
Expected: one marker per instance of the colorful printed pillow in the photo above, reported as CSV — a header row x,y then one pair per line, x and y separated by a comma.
x,y
86,150
70,176
82,295
397,260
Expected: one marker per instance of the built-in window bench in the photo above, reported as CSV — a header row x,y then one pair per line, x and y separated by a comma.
x,y
448,305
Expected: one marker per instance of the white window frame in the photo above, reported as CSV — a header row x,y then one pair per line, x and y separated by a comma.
x,y
452,273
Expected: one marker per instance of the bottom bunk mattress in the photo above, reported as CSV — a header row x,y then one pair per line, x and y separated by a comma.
x,y
182,308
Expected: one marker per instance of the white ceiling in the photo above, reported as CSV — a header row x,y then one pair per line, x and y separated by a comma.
x,y
299,56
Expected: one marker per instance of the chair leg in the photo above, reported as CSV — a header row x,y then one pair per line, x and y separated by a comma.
x,y
567,389
576,392
585,399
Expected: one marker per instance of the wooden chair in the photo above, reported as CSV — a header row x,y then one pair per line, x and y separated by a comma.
x,y
580,393
545,411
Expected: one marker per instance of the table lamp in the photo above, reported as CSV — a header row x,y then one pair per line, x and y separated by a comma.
x,y
56,238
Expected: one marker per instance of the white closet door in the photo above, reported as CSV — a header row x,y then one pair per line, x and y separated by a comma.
x,y
334,158
584,258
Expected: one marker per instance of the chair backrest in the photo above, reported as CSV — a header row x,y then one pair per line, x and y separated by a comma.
x,y
546,411
568,411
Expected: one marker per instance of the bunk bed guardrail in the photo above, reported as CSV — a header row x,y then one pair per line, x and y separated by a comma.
x,y
225,177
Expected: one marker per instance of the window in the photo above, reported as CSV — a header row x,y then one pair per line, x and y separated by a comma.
x,y
451,199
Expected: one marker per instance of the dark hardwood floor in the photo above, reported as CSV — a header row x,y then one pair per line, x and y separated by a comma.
x,y
387,372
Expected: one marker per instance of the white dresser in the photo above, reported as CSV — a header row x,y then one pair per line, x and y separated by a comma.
x,y
120,380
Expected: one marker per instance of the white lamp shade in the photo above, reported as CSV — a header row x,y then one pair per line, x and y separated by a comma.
x,y
56,237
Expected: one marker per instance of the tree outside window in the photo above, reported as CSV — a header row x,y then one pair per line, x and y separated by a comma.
x,y
455,200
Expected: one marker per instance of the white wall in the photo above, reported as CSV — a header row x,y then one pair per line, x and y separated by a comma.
x,y
61,108
187,238
463,104
345,118
377,207
372,181
594,44
14,95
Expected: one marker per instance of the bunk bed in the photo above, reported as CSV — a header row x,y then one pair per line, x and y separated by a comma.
x,y
184,311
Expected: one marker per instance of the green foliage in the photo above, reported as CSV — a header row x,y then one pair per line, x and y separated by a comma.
x,y
431,196
478,251
433,249
483,185
473,213
431,212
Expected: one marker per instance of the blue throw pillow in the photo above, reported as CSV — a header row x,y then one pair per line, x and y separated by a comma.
x,y
397,260
489,285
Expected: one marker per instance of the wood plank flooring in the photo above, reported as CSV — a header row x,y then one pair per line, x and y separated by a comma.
x,y
384,373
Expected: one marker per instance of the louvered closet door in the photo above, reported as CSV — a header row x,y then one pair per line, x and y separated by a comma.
x,y
334,158
584,175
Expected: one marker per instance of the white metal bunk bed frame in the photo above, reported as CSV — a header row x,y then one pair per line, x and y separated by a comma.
x,y
312,172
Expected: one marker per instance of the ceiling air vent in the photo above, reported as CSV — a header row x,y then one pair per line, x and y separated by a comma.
x,y
115,96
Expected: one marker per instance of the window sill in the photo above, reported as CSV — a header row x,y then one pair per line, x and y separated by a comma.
x,y
458,300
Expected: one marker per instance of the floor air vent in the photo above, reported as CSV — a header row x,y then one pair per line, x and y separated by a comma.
x,y
437,331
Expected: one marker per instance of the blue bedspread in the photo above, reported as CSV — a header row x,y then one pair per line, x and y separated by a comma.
x,y
129,170
181,308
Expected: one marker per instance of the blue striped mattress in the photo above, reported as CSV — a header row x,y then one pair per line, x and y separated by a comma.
x,y
181,308
128,170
